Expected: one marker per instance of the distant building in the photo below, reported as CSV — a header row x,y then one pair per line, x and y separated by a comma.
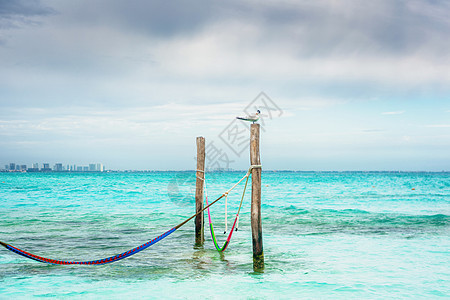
x,y
35,168
58,167
12,166
99,168
85,169
80,169
7,167
92,168
46,167
23,167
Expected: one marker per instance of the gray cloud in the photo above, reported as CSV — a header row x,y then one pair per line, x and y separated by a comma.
x,y
95,47
15,12
316,28
19,13
28,8
156,18
344,28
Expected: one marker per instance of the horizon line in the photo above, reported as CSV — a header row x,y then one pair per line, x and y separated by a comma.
x,y
223,171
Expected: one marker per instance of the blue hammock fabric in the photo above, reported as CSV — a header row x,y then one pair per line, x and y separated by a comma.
x,y
92,262
112,258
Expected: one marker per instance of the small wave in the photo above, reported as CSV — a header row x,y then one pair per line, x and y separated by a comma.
x,y
354,221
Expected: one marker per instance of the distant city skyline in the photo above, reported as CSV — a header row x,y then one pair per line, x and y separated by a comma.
x,y
57,167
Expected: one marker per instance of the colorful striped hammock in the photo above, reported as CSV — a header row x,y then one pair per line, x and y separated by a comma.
x,y
211,227
108,259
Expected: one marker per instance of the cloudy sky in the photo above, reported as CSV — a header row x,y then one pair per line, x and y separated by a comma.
x,y
359,85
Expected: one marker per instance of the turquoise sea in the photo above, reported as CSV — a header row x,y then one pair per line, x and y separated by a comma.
x,y
327,235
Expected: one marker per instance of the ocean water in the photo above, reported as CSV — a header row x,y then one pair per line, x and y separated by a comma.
x,y
326,235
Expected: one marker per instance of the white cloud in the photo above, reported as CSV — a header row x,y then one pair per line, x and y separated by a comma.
x,y
399,112
438,126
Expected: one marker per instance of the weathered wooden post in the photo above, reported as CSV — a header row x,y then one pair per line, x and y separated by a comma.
x,y
199,236
258,253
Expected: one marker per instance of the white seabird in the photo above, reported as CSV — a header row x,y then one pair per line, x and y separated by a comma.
x,y
251,118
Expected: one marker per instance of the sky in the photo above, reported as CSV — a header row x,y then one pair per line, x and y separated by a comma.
x,y
341,85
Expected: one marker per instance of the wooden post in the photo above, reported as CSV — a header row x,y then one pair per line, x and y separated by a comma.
x,y
258,253
199,235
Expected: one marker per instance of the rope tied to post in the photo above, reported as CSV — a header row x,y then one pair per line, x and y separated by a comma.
x,y
236,220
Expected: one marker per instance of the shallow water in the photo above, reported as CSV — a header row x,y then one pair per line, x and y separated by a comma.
x,y
326,235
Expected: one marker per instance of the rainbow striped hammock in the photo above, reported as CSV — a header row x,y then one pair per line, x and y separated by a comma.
x,y
108,259
236,220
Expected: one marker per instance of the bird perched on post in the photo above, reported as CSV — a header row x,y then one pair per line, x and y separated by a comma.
x,y
250,118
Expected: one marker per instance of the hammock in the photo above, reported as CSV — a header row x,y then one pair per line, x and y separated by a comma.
x,y
211,227
92,262
141,247
108,259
